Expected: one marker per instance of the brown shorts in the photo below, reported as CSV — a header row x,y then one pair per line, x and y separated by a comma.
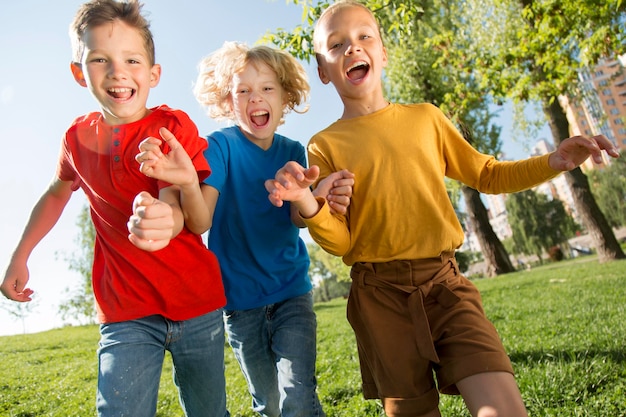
x,y
414,317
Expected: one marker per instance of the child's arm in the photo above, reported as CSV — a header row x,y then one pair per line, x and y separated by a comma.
x,y
574,151
292,184
177,168
43,217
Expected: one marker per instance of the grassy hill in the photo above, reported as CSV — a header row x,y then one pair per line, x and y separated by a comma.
x,y
563,325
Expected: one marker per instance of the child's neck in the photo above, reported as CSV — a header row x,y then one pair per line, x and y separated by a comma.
x,y
359,107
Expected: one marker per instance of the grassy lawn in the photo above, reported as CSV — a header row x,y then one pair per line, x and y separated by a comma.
x,y
563,325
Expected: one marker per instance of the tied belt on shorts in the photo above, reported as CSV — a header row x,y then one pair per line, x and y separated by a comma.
x,y
434,286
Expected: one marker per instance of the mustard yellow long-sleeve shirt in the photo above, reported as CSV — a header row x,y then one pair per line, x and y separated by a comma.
x,y
400,208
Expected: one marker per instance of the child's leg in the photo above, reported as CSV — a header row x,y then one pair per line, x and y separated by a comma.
x,y
197,348
249,337
130,359
293,342
492,394
380,314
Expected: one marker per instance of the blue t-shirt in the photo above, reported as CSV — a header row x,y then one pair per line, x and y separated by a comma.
x,y
262,257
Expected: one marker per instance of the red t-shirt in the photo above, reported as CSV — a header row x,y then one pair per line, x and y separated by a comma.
x,y
179,282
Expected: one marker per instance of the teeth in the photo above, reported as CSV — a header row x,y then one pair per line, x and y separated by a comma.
x,y
259,113
357,64
120,90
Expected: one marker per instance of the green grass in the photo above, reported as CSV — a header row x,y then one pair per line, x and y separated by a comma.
x,y
563,325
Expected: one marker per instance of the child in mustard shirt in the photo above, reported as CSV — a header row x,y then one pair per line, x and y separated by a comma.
x,y
413,313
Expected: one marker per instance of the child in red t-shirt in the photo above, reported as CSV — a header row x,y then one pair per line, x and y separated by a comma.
x,y
154,291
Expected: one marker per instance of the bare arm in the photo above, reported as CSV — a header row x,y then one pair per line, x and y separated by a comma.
x,y
43,217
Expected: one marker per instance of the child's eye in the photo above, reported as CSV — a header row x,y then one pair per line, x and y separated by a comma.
x,y
335,46
268,88
98,60
133,61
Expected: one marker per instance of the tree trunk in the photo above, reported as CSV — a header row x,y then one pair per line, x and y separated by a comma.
x,y
593,219
496,257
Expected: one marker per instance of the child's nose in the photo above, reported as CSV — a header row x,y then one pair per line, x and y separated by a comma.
x,y
116,70
353,47
255,97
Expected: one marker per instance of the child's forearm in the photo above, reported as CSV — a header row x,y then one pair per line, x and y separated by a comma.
x,y
308,206
197,216
43,217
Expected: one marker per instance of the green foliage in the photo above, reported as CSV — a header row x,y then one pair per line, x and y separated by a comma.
x,y
80,304
329,273
324,265
609,188
564,366
537,222
463,259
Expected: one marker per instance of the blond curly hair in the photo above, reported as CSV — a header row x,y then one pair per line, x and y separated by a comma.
x,y
214,82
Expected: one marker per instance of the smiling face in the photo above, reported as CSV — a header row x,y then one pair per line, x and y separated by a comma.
x,y
116,68
258,101
351,54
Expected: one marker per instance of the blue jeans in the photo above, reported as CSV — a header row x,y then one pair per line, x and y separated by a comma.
x,y
275,348
131,355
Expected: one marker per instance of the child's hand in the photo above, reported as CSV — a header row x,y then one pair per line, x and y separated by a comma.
x,y
151,225
574,151
14,283
175,167
337,189
291,183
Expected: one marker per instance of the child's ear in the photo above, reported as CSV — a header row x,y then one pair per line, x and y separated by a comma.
x,y
155,75
77,72
385,59
323,77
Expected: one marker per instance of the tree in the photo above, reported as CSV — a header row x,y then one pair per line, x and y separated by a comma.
x,y
80,305
329,272
523,50
19,310
533,50
538,223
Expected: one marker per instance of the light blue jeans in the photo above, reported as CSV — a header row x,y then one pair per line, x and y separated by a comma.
x,y
275,346
130,360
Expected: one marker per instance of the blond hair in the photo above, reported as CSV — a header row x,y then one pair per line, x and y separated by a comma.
x,y
98,12
214,82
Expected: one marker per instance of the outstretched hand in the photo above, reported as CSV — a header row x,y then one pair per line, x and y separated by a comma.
x,y
174,167
151,226
291,183
574,151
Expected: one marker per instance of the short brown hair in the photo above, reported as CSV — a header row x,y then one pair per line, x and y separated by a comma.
x,y
97,12
334,8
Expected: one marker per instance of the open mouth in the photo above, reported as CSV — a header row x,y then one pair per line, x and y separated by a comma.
x,y
358,71
121,93
260,118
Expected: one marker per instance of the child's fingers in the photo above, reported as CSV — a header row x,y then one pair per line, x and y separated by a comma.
x,y
169,138
142,199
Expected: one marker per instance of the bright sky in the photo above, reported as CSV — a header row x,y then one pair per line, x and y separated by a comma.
x,y
39,99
